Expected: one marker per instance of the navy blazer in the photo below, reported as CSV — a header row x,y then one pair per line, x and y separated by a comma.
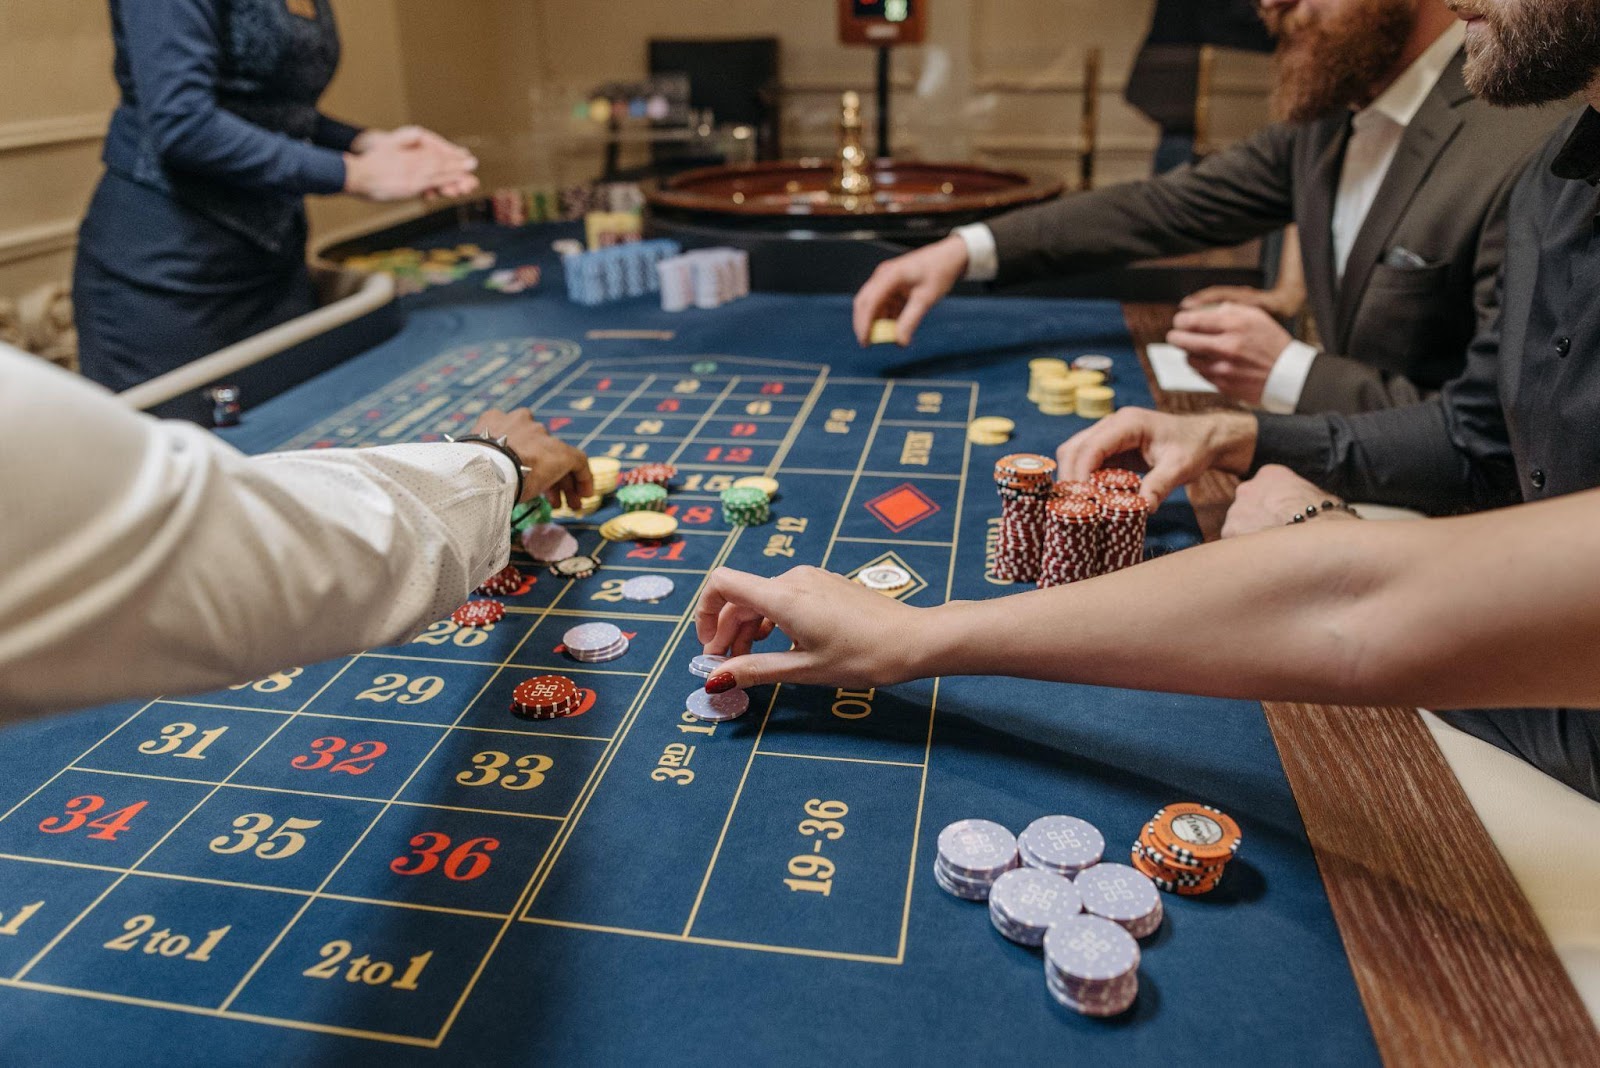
x,y
219,109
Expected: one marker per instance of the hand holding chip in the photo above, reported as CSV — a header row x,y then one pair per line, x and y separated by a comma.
x,y
906,287
843,633
554,467
1177,449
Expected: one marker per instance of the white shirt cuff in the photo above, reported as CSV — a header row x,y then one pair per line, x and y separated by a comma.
x,y
983,260
1287,379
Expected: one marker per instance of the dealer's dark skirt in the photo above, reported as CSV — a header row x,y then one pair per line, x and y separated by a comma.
x,y
157,284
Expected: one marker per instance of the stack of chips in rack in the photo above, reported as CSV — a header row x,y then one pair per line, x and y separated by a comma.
x,y
615,272
1186,847
705,278
972,855
1024,481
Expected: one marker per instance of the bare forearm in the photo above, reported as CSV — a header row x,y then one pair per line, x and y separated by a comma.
x,y
1483,611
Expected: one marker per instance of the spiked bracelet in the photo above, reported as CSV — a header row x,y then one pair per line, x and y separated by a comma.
x,y
499,445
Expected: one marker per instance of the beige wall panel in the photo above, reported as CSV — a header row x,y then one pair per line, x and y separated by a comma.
x,y
369,90
55,59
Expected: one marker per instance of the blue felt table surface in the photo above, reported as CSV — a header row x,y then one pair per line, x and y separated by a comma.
x,y
625,914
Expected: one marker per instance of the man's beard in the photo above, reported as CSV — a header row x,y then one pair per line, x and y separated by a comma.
x,y
1529,52
1325,63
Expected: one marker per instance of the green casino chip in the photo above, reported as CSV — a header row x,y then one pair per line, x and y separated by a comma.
x,y
642,497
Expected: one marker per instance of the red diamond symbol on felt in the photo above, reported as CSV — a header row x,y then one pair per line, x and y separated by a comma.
x,y
902,507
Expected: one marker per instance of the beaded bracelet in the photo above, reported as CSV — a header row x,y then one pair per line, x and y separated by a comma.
x,y
1312,510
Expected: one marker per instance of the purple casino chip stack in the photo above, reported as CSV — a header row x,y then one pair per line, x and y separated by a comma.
x,y
1064,845
1091,966
972,855
595,643
1122,895
1025,902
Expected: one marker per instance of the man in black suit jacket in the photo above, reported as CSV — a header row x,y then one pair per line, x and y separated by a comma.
x,y
1400,205
1521,424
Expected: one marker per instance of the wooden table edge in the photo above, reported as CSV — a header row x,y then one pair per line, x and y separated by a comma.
x,y
1450,961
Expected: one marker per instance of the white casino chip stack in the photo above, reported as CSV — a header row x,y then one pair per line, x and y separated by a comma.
x,y
972,855
1025,902
1091,966
1065,845
1122,895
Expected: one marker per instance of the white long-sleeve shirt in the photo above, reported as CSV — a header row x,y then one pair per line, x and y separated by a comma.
x,y
140,557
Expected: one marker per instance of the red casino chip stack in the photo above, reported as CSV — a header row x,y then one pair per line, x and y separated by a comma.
x,y
502,583
1122,523
1024,480
658,474
510,207
1071,541
478,614
1086,489
546,697
1186,847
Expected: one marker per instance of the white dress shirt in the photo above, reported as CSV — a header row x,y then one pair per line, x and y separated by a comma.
x,y
140,557
1375,136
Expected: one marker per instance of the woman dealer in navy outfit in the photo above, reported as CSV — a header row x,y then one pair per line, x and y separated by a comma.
x,y
195,237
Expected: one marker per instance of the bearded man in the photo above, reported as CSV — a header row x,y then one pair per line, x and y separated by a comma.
x,y
1395,174
1521,423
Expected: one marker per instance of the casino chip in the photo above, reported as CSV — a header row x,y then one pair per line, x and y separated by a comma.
x,y
647,588
717,707
546,697
1186,847
1063,845
649,526
706,665
595,643
1025,902
1122,895
1094,362
659,474
580,567
478,614
745,506
502,583
990,430
642,497
972,855
883,332
766,485
886,578
1091,966
549,542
